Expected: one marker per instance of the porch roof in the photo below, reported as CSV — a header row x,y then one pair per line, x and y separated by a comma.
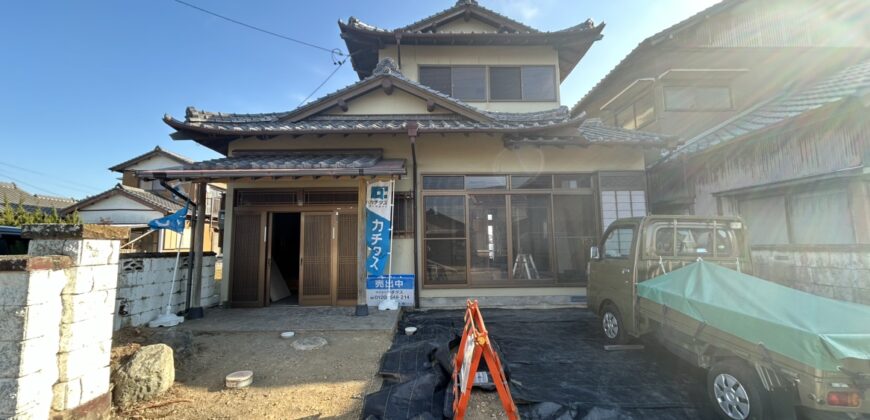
x,y
281,164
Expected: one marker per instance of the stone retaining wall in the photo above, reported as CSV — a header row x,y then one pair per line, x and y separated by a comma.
x,y
836,272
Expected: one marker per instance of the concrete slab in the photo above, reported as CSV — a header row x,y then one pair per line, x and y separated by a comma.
x,y
291,318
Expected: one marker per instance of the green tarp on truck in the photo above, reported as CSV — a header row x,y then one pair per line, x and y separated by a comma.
x,y
813,330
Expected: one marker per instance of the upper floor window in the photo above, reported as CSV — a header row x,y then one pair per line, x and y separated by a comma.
x,y
464,83
506,83
638,114
697,98
522,83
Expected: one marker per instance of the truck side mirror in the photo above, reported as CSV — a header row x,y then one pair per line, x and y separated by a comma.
x,y
593,253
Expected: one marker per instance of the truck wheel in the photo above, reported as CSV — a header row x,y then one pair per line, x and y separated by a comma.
x,y
611,324
736,391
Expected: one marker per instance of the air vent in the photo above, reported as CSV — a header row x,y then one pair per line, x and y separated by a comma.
x,y
266,198
330,197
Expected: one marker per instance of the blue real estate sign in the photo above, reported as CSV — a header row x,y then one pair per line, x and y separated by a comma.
x,y
402,289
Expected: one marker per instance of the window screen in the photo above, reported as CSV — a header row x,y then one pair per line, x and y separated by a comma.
x,y
437,78
539,83
469,83
505,84
621,204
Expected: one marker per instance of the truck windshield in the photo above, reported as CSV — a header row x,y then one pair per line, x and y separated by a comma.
x,y
694,240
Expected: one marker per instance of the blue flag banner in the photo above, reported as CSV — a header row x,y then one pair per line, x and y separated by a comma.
x,y
173,222
379,200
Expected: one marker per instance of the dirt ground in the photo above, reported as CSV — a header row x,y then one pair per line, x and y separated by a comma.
x,y
329,382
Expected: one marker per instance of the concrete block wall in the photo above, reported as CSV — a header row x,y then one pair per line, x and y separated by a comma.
x,y
30,313
842,274
84,308
144,282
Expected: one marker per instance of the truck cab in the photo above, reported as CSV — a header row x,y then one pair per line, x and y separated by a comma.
x,y
637,249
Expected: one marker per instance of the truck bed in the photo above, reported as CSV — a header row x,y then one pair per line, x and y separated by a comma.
x,y
758,319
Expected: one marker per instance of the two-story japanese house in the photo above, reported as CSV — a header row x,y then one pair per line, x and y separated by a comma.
x,y
500,190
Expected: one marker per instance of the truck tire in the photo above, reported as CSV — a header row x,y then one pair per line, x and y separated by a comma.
x,y
736,392
611,325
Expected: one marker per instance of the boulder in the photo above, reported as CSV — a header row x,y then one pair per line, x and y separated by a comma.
x,y
147,374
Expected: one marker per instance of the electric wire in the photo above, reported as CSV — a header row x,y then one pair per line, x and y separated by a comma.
x,y
334,51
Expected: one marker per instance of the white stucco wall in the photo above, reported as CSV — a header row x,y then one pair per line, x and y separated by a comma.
x,y
118,210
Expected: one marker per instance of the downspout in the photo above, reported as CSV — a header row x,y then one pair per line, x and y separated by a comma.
x,y
399,49
192,241
412,135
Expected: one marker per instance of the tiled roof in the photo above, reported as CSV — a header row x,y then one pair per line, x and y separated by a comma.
x,y
145,197
461,5
363,39
591,131
159,201
157,151
10,191
284,164
850,82
276,123
292,160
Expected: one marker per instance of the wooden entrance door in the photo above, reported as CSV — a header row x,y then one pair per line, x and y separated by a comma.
x,y
328,258
246,271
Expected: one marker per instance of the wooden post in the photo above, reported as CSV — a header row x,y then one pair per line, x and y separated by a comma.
x,y
198,234
362,307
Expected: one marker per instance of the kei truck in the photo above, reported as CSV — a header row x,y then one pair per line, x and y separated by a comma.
x,y
770,351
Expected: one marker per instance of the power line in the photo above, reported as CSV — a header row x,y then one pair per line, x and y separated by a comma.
x,y
18,181
58,182
338,66
333,51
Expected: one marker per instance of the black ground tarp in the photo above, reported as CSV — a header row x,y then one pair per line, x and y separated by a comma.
x,y
556,363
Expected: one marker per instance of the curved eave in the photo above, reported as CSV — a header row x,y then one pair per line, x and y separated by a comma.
x,y
363,44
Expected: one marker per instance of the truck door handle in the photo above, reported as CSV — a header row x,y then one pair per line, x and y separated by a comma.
x,y
626,270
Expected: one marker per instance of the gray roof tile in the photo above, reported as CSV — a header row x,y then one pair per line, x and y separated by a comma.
x,y
591,131
15,195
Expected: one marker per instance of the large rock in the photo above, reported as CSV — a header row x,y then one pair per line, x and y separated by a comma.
x,y
147,374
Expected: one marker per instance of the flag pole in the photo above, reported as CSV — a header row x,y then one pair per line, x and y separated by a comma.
x,y
168,319
390,303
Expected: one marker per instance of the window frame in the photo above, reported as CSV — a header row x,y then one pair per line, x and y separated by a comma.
x,y
788,196
631,246
551,193
488,85
633,107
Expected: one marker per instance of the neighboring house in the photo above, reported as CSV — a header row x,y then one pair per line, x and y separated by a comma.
x,y
15,196
461,108
134,202
769,100
797,169
724,60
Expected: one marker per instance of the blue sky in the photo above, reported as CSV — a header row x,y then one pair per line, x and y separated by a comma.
x,y
84,84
